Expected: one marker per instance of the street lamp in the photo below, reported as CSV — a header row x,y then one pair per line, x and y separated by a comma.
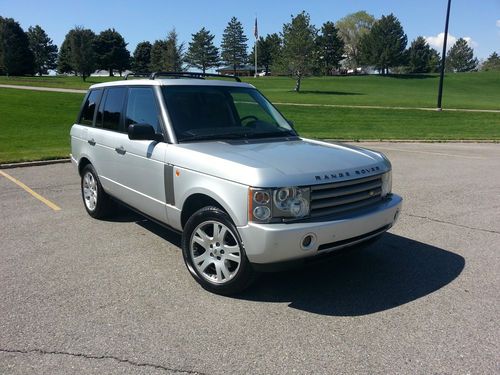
x,y
443,58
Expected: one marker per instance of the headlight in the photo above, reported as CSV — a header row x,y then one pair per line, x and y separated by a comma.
x,y
265,205
386,183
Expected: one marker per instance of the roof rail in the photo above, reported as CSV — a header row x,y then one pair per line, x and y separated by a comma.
x,y
136,75
195,75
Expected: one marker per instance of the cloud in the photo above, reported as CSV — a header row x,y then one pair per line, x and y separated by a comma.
x,y
498,23
437,41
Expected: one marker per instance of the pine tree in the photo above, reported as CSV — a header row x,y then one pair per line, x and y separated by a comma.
x,y
461,58
330,48
16,57
83,57
202,53
44,52
64,58
419,56
384,46
157,53
111,51
142,57
268,51
167,54
234,44
298,47
492,63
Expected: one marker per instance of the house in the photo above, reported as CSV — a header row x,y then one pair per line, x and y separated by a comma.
x,y
241,70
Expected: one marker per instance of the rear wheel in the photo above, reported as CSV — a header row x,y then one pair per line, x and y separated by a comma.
x,y
214,254
97,203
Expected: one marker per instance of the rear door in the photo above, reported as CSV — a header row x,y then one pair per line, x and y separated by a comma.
x,y
140,174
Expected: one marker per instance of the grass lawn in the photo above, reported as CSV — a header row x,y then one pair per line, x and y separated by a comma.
x,y
480,90
35,125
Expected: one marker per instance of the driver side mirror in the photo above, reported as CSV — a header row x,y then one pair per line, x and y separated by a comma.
x,y
143,132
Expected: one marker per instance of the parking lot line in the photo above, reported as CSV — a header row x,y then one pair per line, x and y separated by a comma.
x,y
48,203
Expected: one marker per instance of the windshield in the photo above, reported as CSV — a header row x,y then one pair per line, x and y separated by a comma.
x,y
222,112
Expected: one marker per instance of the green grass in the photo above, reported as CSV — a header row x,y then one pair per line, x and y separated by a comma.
x,y
480,90
35,125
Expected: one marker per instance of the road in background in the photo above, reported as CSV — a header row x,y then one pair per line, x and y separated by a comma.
x,y
85,296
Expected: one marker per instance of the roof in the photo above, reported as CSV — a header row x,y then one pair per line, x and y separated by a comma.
x,y
172,82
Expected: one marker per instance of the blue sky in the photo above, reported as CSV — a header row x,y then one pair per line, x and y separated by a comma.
x,y
478,20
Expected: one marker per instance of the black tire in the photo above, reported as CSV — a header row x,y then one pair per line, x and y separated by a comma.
x,y
244,274
103,202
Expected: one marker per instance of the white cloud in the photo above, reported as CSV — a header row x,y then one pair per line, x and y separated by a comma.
x,y
498,23
437,41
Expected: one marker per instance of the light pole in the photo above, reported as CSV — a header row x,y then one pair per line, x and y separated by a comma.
x,y
443,58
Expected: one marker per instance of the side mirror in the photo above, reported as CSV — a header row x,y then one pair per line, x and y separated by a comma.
x,y
143,132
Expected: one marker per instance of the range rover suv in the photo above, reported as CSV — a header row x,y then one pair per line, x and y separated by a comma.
x,y
216,161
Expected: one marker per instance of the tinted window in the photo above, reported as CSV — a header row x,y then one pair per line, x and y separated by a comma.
x,y
141,108
87,117
112,109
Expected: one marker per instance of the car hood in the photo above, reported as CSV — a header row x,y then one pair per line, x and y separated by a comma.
x,y
279,163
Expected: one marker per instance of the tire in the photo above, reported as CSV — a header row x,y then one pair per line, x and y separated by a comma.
x,y
214,254
95,200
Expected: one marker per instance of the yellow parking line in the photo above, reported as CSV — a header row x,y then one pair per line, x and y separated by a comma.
x,y
54,206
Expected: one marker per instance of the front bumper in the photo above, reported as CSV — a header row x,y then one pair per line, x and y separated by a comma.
x,y
273,243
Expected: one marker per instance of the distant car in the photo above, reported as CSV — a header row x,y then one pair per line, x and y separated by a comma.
x,y
263,73
216,161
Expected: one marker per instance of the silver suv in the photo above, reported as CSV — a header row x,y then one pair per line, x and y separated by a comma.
x,y
215,160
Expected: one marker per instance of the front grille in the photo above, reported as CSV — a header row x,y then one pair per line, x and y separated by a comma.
x,y
341,197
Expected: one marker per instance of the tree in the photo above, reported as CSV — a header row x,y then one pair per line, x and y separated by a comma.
x,y
64,64
420,56
111,51
298,46
44,52
83,57
351,29
330,48
16,57
492,63
167,54
384,46
142,57
234,44
202,53
461,57
268,51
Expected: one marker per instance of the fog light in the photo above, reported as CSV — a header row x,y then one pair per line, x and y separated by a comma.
x,y
262,212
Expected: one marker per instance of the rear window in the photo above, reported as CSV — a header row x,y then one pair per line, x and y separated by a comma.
x,y
89,108
110,113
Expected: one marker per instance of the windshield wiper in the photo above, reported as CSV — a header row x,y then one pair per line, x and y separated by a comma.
x,y
203,137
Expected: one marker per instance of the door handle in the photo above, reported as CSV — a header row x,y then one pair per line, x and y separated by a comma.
x,y
121,150
91,142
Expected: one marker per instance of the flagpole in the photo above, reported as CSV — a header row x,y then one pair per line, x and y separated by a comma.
x,y
256,34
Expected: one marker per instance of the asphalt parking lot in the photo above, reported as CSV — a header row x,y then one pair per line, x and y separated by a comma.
x,y
80,296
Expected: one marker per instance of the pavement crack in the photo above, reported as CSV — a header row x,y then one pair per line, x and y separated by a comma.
x,y
454,224
101,357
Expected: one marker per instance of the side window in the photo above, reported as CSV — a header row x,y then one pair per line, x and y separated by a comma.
x,y
141,108
89,108
110,112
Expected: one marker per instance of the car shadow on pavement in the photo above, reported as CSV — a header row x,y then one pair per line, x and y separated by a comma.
x,y
393,271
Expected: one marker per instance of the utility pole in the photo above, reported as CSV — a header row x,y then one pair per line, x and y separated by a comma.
x,y
443,58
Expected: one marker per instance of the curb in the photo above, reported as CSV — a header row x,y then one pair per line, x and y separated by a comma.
x,y
33,163
413,140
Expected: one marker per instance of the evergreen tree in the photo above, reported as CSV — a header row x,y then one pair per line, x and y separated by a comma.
x,y
167,54
142,58
419,56
64,64
330,48
44,52
492,63
202,53
234,44
434,61
384,46
461,58
351,29
268,51
298,47
83,57
16,57
111,51
157,52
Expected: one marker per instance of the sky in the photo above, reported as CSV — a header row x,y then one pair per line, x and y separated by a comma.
x,y
476,20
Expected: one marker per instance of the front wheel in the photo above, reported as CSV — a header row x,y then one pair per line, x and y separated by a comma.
x,y
97,202
214,253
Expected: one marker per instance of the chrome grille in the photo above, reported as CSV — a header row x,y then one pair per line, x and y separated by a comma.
x,y
340,197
